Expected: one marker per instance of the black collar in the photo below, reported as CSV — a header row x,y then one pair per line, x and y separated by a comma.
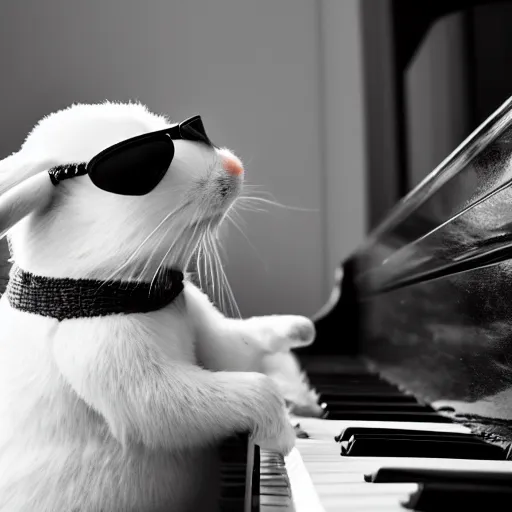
x,y
64,298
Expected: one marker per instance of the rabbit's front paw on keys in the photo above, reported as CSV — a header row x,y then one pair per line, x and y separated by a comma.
x,y
272,429
283,442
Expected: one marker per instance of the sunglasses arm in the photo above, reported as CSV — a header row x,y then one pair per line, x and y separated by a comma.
x,y
64,172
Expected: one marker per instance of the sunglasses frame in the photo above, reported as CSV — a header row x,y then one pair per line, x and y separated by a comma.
x,y
190,129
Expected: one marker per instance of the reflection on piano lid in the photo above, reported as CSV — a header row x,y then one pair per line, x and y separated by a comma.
x,y
427,299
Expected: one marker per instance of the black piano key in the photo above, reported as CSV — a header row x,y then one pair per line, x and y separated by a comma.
x,y
340,388
348,432
360,377
449,497
362,395
427,475
429,417
426,437
427,448
370,396
380,394
378,406
352,383
340,379
341,376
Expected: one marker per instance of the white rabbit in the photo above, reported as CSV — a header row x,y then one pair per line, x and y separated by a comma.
x,y
123,412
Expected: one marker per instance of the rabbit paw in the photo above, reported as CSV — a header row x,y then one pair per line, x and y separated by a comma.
x,y
280,333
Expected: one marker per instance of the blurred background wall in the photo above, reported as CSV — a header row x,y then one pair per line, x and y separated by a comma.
x,y
279,82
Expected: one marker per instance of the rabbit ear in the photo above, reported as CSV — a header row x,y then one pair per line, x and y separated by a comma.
x,y
23,189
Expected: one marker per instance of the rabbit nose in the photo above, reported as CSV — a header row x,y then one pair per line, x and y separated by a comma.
x,y
232,165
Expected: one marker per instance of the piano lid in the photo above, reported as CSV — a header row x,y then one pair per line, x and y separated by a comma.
x,y
433,282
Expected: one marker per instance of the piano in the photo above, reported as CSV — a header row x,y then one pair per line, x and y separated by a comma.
x,y
413,356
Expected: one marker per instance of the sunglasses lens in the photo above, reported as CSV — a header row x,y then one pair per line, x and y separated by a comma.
x,y
133,169
193,129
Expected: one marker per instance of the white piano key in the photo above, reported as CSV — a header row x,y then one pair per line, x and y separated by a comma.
x,y
274,501
304,495
270,490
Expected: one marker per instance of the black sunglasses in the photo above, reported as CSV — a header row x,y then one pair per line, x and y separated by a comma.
x,y
134,167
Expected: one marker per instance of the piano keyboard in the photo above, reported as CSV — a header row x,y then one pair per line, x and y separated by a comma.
x,y
316,477
321,480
